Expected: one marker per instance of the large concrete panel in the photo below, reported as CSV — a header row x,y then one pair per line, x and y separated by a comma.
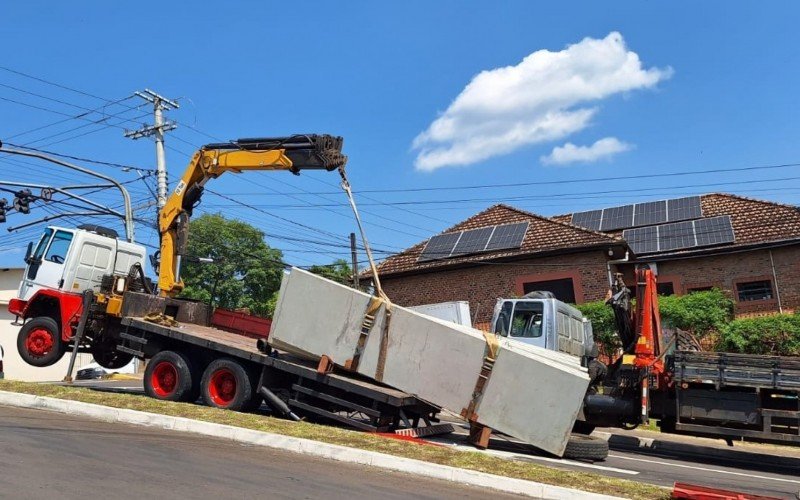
x,y
532,394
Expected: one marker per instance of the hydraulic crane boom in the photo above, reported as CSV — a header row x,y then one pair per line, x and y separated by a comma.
x,y
294,153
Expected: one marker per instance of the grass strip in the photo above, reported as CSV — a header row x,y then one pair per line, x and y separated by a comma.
x,y
364,441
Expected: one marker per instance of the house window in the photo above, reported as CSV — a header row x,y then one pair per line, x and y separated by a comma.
x,y
666,288
563,288
692,289
748,291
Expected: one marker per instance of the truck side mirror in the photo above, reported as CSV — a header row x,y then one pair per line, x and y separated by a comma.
x,y
28,252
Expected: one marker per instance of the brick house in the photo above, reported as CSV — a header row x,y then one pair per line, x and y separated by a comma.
x,y
759,269
751,250
550,255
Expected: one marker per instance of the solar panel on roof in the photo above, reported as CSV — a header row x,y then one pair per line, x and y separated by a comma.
x,y
473,241
714,231
650,213
684,208
440,246
676,235
507,236
617,218
642,239
589,220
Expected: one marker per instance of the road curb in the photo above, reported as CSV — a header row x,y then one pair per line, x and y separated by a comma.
x,y
298,445
666,447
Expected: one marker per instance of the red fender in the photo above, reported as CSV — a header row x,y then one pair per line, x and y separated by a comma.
x,y
70,304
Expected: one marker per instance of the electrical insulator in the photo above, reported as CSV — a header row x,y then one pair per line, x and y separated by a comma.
x,y
3,208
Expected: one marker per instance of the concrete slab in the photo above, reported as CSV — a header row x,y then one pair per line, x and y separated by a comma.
x,y
532,394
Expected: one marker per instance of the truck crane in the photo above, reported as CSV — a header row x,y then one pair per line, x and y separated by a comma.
x,y
727,395
84,290
66,262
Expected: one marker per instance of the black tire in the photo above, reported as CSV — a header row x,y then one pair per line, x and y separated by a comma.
x,y
589,448
169,377
581,427
227,384
105,353
39,342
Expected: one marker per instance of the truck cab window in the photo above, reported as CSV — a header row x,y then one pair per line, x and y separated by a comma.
x,y
503,319
58,248
527,320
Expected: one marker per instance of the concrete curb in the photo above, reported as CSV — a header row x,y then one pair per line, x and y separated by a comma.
x,y
298,445
698,451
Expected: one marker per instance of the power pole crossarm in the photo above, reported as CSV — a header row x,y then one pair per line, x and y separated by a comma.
x,y
160,104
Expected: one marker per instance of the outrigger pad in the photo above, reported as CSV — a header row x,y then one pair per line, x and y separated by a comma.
x,y
307,151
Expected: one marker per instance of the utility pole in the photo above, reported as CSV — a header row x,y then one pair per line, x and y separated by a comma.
x,y
354,257
160,104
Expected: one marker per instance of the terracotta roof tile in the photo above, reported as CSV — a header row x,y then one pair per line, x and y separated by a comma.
x,y
543,235
754,221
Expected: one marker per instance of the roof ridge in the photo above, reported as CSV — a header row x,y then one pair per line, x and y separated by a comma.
x,y
748,198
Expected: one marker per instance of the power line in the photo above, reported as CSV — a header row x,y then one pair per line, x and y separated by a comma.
x,y
42,80
571,181
88,160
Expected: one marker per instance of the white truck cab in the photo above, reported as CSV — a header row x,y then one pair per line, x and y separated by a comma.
x,y
73,260
541,320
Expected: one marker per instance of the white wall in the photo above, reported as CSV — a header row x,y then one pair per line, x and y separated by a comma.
x,y
14,367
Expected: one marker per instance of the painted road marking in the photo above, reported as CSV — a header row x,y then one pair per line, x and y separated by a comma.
x,y
719,471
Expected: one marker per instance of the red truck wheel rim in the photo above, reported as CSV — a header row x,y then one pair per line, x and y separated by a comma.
x,y
40,341
222,387
164,379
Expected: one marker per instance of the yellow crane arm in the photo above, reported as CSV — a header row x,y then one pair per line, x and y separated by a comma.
x,y
293,153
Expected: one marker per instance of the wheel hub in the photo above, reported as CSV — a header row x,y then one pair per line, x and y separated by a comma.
x,y
164,379
39,342
222,387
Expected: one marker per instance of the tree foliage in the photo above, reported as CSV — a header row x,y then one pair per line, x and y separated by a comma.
x,y
339,271
778,334
700,313
246,272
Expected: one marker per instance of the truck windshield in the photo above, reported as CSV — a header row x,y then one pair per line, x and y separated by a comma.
x,y
42,244
527,320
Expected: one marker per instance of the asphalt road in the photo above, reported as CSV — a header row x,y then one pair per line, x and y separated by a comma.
x,y
52,455
641,465
660,469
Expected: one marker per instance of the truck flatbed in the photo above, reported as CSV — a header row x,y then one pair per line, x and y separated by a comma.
x,y
744,395
382,407
738,370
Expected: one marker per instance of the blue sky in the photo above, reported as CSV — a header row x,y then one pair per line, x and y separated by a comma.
x,y
722,93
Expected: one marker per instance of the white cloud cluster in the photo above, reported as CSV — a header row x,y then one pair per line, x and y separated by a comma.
x,y
570,153
546,97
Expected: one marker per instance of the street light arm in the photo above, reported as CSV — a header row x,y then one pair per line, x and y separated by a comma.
x,y
125,196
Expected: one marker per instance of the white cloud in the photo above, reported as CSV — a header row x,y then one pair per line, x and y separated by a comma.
x,y
570,153
543,98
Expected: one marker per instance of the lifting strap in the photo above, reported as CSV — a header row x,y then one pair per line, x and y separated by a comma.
x,y
489,357
374,305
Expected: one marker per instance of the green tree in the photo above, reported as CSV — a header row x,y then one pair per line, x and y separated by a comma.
x,y
340,271
246,272
701,313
